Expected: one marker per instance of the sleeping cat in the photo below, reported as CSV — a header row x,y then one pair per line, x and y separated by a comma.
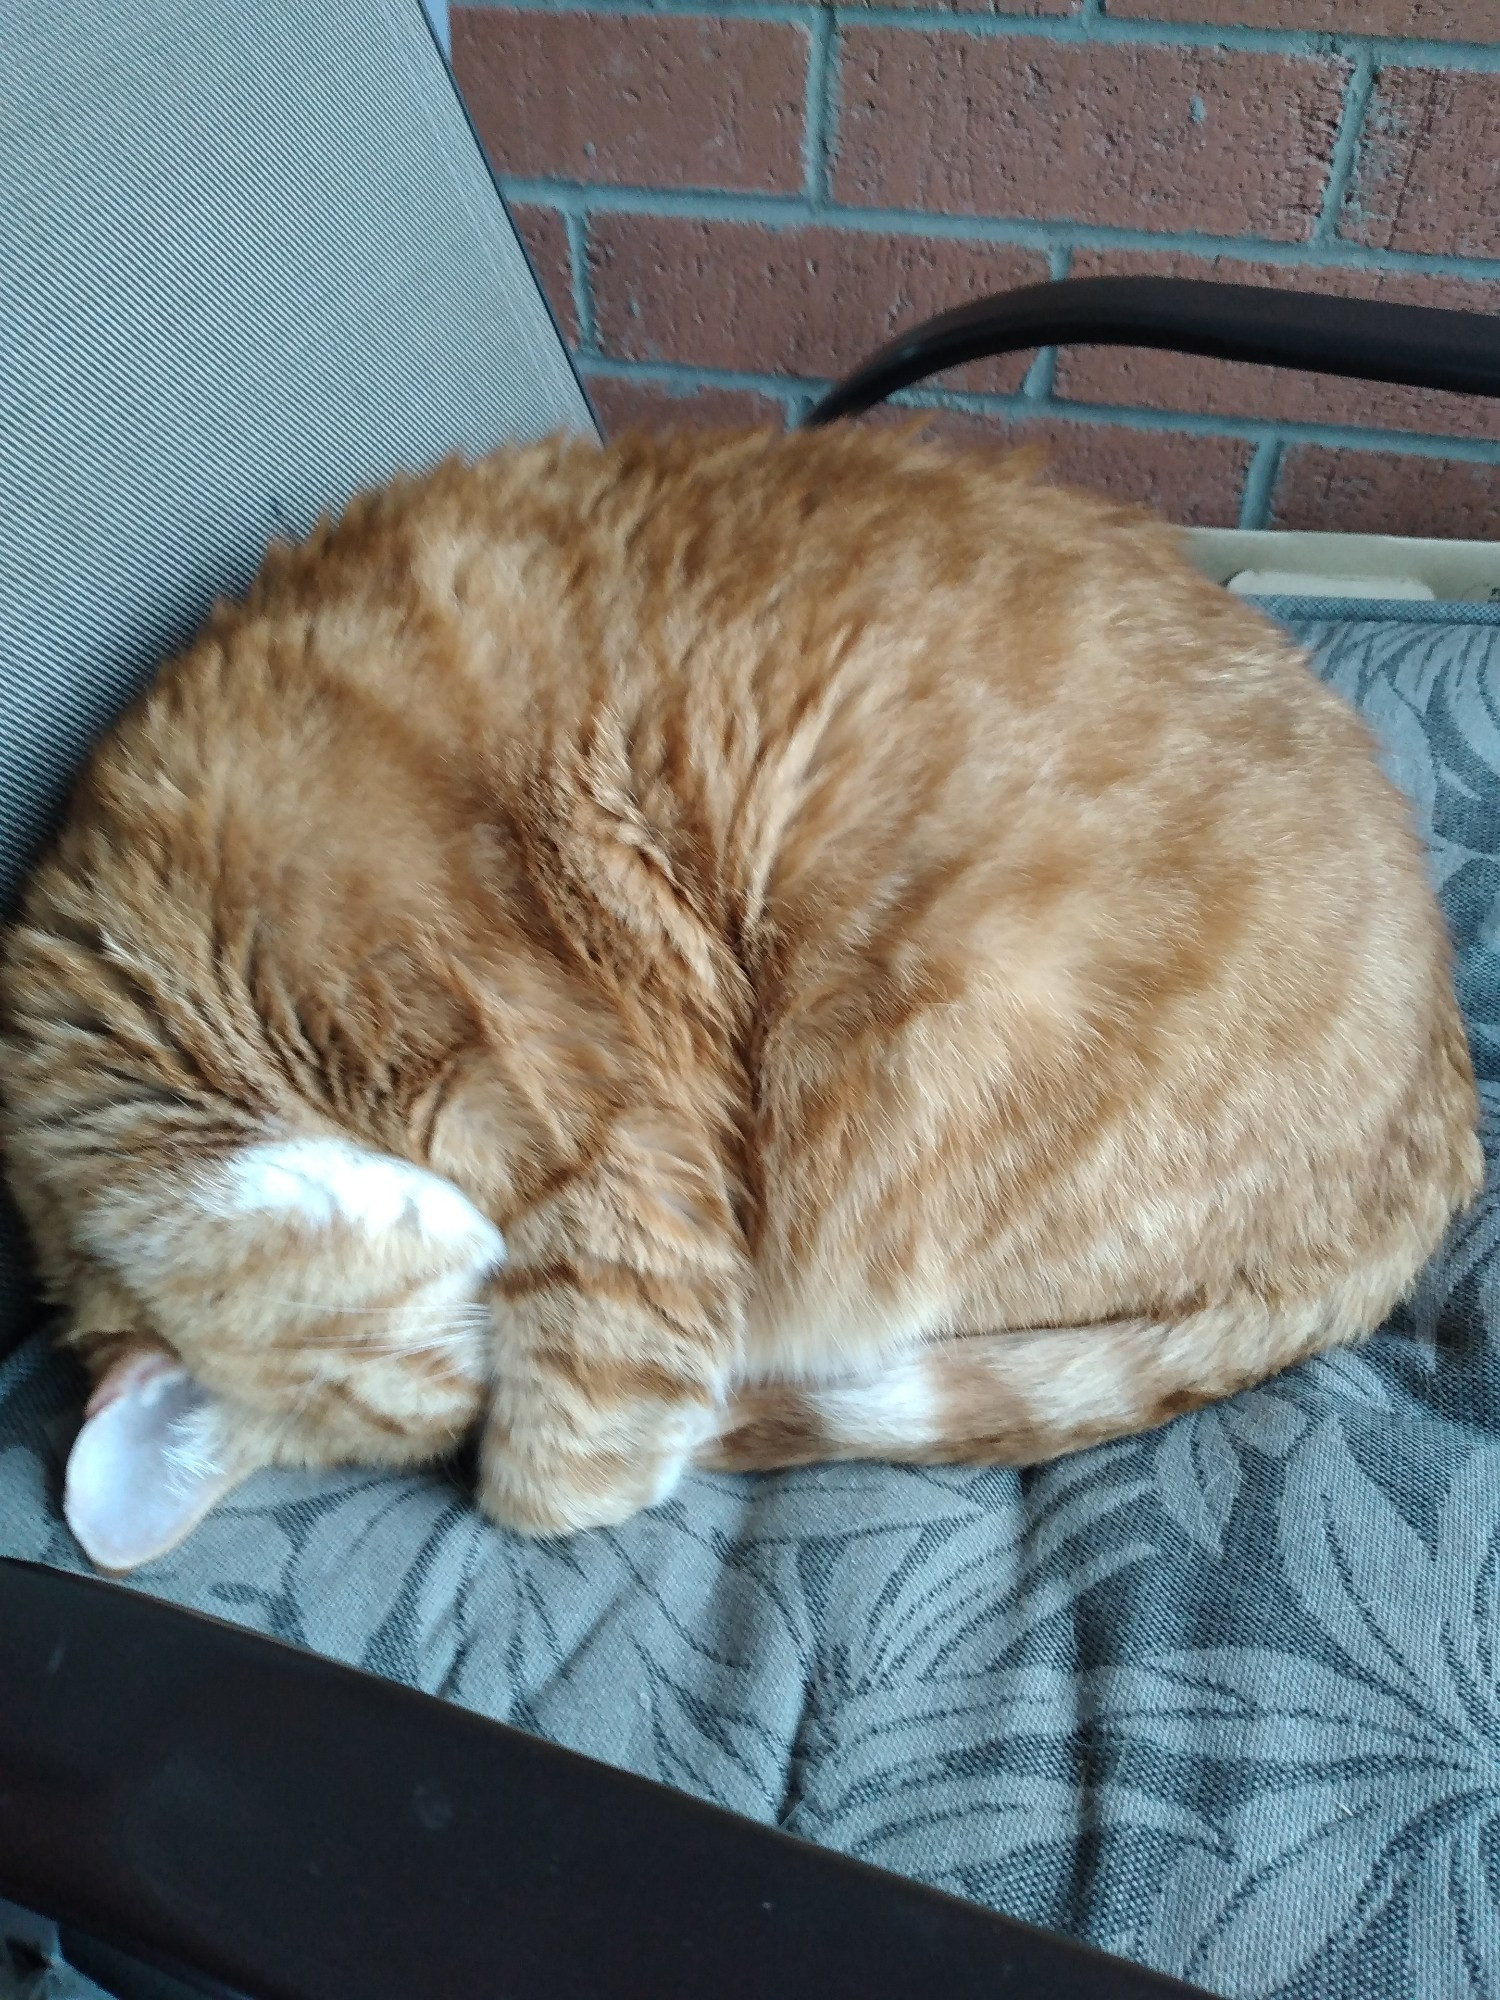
x,y
738,950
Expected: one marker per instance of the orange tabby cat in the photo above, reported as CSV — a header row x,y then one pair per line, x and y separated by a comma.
x,y
745,949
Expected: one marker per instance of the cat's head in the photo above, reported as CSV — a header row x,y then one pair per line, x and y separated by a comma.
x,y
298,1302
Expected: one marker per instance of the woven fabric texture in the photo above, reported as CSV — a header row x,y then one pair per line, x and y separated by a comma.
x,y
1224,1699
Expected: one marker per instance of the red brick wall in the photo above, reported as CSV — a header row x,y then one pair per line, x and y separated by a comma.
x,y
728,203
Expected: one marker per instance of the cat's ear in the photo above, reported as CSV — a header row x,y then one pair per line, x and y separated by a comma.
x,y
148,1464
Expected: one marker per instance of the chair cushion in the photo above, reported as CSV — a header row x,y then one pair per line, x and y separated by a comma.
x,y
1223,1698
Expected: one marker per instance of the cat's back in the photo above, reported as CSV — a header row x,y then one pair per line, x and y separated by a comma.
x,y
854,587
829,672
880,673
940,744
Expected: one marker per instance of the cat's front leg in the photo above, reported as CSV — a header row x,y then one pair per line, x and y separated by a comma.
x,y
617,1326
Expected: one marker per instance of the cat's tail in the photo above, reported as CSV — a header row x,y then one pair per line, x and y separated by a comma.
x,y
1021,1397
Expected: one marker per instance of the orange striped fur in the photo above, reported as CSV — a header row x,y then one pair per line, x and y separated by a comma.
x,y
750,948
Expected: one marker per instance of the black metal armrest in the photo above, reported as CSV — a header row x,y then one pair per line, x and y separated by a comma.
x,y
254,1818
1426,347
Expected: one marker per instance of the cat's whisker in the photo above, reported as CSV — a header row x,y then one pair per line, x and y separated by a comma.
x,y
190,1453
396,1349
480,1313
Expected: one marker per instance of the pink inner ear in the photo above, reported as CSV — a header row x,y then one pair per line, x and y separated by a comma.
x,y
127,1374
147,1465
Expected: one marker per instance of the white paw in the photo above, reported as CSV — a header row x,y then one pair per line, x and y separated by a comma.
x,y
321,1181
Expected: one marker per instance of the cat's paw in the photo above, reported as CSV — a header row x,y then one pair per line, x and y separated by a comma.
x,y
588,1494
565,1490
559,1477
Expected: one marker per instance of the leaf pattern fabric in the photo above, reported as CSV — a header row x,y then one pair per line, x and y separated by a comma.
x,y
1224,1699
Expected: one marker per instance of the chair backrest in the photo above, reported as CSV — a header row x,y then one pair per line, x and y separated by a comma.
x,y
251,259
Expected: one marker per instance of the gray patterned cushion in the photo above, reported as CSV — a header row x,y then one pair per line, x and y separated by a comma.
x,y
1225,1699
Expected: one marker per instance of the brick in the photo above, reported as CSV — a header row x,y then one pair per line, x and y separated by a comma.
x,y
1138,137
805,302
1029,7
1160,381
545,235
1428,173
1196,481
625,406
1432,20
636,98
1386,493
